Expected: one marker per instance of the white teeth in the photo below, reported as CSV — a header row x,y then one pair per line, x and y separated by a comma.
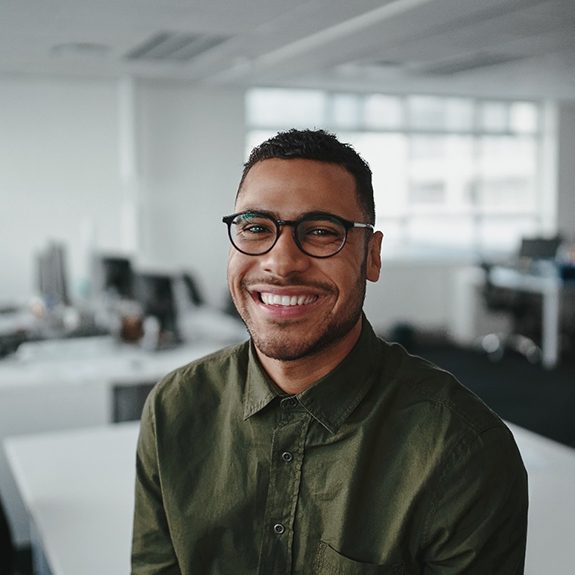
x,y
286,300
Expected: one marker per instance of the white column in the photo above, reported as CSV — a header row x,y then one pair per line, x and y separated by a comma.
x,y
128,159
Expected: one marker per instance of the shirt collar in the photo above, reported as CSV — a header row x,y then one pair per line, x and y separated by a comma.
x,y
259,390
331,399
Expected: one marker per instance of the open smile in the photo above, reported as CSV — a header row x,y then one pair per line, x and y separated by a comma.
x,y
286,300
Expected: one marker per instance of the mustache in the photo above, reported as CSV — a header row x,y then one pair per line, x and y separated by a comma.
x,y
292,281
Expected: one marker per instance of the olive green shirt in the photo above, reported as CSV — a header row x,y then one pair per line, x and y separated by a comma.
x,y
387,465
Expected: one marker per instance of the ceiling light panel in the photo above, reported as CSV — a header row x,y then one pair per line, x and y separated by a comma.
x,y
175,46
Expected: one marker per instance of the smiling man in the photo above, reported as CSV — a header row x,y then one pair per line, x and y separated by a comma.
x,y
316,447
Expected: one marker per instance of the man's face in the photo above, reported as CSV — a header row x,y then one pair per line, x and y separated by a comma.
x,y
293,304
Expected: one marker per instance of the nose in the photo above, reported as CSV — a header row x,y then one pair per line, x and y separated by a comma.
x,y
285,258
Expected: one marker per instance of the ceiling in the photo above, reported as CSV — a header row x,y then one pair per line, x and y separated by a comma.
x,y
509,48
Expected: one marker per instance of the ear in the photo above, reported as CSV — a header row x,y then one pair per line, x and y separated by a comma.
x,y
374,256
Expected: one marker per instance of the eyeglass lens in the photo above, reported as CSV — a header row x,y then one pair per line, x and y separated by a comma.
x,y
255,234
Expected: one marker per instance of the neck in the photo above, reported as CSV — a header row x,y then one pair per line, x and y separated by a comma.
x,y
295,376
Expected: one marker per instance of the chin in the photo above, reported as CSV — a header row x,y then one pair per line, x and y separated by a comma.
x,y
283,347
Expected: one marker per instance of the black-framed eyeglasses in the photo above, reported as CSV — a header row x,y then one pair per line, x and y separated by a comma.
x,y
317,234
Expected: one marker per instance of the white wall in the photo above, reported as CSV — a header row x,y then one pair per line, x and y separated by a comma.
x,y
63,176
416,291
58,173
191,155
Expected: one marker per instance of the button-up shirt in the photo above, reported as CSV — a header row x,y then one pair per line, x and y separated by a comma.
x,y
386,465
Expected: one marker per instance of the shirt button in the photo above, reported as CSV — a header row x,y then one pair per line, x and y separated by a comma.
x,y
279,528
289,403
287,456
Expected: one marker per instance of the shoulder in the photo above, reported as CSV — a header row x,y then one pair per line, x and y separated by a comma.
x,y
438,416
450,430
204,379
421,384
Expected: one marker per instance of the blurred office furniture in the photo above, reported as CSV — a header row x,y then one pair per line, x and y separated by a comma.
x,y
155,294
534,250
87,477
7,551
142,326
52,280
78,490
62,384
113,275
128,300
529,289
193,291
128,400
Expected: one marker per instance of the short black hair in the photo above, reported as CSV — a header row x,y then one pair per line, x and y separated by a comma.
x,y
321,146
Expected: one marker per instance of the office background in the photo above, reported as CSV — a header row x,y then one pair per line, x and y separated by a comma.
x,y
109,148
148,168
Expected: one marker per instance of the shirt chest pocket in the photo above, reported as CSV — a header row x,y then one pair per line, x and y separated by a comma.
x,y
329,562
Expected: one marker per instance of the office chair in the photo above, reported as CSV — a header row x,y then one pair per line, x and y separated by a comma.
x,y
524,308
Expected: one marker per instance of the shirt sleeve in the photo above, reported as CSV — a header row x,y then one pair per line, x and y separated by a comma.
x,y
477,523
152,548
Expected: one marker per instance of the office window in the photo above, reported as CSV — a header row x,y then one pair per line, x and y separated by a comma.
x,y
448,172
383,112
285,108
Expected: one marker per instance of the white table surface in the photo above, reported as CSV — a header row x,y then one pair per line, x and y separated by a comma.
x,y
78,487
67,384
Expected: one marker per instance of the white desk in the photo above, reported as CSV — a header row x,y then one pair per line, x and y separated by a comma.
x,y
550,286
78,487
68,384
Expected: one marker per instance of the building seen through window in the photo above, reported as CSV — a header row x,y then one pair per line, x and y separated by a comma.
x,y
460,173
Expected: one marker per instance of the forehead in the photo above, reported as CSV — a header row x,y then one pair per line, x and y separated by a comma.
x,y
292,187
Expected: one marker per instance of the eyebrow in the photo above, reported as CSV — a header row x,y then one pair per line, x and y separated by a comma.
x,y
301,215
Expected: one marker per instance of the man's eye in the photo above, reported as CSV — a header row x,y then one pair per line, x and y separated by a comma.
x,y
322,232
255,229
251,228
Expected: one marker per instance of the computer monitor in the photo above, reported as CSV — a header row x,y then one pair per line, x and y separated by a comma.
x,y
156,296
539,248
193,292
114,276
51,280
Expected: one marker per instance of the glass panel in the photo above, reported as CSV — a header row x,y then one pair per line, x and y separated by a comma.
x,y
285,108
524,117
442,167
383,112
503,233
459,114
438,231
456,177
427,193
494,116
426,112
507,168
387,156
426,148
393,230
508,154
514,194
345,109
444,114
